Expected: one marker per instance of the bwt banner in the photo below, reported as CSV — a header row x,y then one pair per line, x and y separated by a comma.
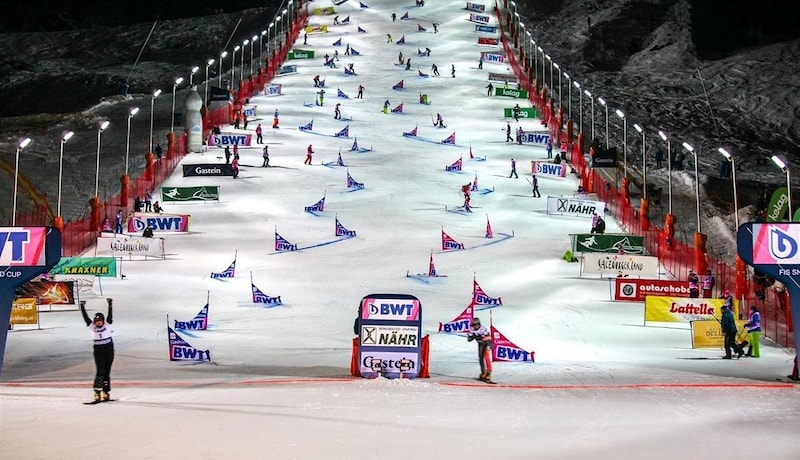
x,y
250,111
389,335
323,10
549,169
488,41
316,28
177,194
49,292
508,92
616,265
287,69
221,140
708,333
301,54
476,7
214,169
487,29
613,243
535,138
633,290
22,246
479,18
130,246
568,206
91,266
490,57
173,223
524,112
682,310
24,311
272,90
504,77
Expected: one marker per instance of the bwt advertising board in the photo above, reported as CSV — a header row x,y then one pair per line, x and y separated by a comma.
x,y
230,139
479,18
486,29
390,335
543,168
479,7
168,223
25,252
774,248
535,138
490,57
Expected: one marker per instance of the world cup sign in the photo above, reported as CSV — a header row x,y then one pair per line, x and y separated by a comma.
x,y
774,249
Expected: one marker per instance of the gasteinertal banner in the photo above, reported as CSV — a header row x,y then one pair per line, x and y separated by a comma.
x,y
212,169
122,245
571,206
620,265
613,243
178,194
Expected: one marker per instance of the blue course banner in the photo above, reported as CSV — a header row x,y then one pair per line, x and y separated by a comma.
x,y
487,29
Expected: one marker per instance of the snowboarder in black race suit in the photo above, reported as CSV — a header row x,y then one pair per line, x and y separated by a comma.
x,y
453,70
100,328
508,133
535,185
483,337
513,169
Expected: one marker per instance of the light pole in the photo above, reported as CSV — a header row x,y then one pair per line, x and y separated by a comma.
x,y
100,130
261,48
241,68
586,92
735,194
535,57
67,136
551,69
156,93
569,96
252,45
283,14
644,161
580,107
22,144
133,112
209,63
221,58
603,103
269,34
621,114
542,51
559,85
666,139
696,183
191,74
178,81
233,64
785,168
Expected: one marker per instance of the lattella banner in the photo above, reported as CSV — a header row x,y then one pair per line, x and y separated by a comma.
x,y
620,265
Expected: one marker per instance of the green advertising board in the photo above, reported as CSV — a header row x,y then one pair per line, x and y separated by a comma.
x,y
86,266
607,242
301,54
509,92
524,112
778,205
179,194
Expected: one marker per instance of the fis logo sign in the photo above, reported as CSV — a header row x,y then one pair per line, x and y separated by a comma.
x,y
22,246
776,244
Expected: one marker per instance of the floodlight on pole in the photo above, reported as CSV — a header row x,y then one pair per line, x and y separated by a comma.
x,y
785,168
621,114
589,94
569,96
209,63
222,56
156,93
696,182
551,69
241,68
261,48
542,51
559,85
233,63
283,13
666,139
191,74
252,45
730,158
603,103
22,144
131,114
67,136
177,82
644,160
100,130
580,106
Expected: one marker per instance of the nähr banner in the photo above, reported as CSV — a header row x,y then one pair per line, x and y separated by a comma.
x,y
569,206
213,169
615,243
178,194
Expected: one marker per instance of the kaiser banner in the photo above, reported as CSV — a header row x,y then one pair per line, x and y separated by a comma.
x,y
633,290
301,54
213,169
479,18
613,243
49,292
549,169
24,311
272,90
492,41
173,223
130,246
570,206
708,333
92,266
620,265
225,139
503,77
487,29
682,309
177,194
476,7
492,57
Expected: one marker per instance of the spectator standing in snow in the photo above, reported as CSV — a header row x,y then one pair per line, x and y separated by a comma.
x,y
513,169
389,37
708,285
265,155
159,152
694,285
729,331
360,92
435,70
480,63
549,147
118,222
305,38
235,167
535,185
259,133
516,111
394,17
436,27
659,158
309,152
337,114
753,326
489,89
408,64
386,106
508,133
148,201
157,207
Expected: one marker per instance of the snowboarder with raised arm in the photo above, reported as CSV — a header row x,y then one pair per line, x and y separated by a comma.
x,y
100,328
481,334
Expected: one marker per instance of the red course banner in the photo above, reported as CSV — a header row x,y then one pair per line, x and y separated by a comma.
x,y
488,41
635,290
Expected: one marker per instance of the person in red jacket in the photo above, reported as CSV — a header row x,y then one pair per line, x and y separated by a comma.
x,y
309,152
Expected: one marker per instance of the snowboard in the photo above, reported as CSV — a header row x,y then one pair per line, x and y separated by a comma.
x,y
491,382
93,403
